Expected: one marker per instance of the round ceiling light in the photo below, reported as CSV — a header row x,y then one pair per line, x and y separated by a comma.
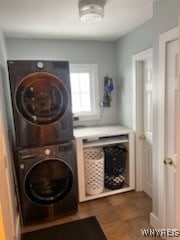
x,y
91,10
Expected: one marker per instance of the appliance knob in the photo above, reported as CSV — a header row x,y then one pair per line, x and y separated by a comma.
x,y
47,151
40,65
21,166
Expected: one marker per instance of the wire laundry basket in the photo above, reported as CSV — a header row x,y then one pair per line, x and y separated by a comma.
x,y
94,170
115,163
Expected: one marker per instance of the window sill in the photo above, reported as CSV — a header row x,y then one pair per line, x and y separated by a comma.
x,y
90,117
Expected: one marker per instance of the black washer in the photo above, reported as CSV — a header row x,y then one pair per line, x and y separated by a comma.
x,y
47,182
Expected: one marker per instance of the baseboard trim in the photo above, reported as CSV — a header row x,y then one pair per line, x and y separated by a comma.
x,y
18,228
154,221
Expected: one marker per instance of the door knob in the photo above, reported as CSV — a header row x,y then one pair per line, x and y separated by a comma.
x,y
168,161
142,137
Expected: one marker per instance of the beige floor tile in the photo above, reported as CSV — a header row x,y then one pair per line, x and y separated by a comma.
x,y
138,223
84,207
119,231
83,215
100,203
144,204
134,195
106,216
128,210
117,199
47,224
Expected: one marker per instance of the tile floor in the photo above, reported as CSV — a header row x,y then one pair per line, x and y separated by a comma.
x,y
120,216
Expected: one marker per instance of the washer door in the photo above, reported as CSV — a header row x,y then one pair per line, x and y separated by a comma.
x,y
48,181
42,98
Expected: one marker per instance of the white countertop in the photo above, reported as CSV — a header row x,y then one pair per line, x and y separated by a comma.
x,y
88,132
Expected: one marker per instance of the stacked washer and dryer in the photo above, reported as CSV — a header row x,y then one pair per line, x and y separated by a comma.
x,y
45,159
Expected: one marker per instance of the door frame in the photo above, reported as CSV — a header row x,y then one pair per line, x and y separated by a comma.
x,y
164,39
10,215
137,60
178,136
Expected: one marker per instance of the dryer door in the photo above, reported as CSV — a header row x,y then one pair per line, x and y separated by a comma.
x,y
42,98
48,181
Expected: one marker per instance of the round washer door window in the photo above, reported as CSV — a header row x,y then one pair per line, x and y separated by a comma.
x,y
42,98
48,181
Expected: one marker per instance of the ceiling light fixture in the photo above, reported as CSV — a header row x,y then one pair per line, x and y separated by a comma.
x,y
91,10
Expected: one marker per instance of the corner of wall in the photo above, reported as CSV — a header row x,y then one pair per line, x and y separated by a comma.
x,y
154,221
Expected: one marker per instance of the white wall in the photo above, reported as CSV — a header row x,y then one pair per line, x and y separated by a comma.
x,y
101,53
8,201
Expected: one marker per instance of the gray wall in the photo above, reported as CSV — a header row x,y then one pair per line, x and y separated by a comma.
x,y
102,53
165,17
130,44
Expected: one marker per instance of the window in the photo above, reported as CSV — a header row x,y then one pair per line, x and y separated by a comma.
x,y
84,91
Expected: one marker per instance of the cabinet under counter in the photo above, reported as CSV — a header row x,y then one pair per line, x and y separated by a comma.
x,y
102,136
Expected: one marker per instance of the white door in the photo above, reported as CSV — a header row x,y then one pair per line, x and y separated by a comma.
x,y
170,134
147,129
142,123
178,139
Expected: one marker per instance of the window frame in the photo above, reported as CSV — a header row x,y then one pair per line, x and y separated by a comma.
x,y
92,69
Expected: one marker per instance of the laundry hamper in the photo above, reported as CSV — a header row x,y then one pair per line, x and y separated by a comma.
x,y
94,170
115,163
